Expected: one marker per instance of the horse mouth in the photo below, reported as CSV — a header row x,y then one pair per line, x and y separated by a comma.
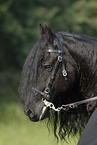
x,y
35,117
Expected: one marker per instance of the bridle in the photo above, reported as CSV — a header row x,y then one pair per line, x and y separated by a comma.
x,y
46,94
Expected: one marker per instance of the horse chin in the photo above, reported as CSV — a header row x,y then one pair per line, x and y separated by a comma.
x,y
34,119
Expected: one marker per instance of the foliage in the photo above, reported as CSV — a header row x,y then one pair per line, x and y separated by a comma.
x,y
19,21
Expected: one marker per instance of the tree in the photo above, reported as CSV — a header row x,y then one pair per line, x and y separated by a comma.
x,y
19,21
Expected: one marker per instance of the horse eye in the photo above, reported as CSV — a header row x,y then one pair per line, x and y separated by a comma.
x,y
48,67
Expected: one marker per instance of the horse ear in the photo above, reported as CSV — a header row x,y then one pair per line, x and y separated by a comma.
x,y
41,29
48,32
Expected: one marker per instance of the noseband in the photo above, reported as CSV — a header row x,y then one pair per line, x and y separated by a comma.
x,y
46,94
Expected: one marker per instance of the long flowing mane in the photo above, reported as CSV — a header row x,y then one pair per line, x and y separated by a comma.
x,y
30,71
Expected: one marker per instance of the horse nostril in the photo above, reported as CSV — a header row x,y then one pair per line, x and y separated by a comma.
x,y
31,115
29,112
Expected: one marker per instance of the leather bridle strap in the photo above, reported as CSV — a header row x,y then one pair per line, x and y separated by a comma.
x,y
59,60
49,86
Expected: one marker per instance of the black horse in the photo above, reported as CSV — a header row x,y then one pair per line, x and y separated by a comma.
x,y
61,69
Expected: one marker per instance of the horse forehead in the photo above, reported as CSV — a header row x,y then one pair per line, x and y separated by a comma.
x,y
49,57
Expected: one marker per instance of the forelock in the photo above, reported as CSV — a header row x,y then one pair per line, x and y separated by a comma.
x,y
30,68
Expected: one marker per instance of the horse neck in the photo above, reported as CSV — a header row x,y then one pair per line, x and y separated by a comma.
x,y
84,52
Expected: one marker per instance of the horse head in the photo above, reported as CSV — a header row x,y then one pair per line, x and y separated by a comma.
x,y
55,70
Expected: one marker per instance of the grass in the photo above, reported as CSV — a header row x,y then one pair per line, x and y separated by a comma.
x,y
15,127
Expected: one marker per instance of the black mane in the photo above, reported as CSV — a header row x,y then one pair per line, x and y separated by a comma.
x,y
30,69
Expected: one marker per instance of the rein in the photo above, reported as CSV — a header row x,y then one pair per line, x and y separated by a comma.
x,y
46,93
68,106
64,107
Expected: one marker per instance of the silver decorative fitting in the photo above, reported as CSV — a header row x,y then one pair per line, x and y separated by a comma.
x,y
47,90
64,73
60,58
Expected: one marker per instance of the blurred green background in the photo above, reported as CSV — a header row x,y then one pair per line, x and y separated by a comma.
x,y
19,20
